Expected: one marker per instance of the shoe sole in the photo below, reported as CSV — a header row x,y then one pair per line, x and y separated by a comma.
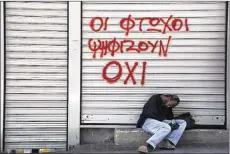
x,y
164,148
142,152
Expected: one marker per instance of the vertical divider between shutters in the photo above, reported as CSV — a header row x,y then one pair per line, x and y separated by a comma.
x,y
74,73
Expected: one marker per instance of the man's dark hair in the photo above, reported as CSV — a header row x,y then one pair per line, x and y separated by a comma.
x,y
175,98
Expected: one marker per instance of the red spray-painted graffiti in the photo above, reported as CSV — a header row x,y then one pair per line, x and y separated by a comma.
x,y
119,74
103,24
113,46
129,24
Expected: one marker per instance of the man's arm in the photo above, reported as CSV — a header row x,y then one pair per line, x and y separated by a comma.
x,y
150,110
170,115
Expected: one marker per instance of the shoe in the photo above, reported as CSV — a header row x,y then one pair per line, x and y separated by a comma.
x,y
143,149
150,148
166,145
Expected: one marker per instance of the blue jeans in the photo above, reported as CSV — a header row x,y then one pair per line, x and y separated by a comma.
x,y
161,130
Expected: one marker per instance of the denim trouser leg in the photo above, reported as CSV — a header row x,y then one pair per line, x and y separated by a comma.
x,y
175,135
159,131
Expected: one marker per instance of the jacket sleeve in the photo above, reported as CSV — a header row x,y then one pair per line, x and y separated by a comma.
x,y
170,115
150,109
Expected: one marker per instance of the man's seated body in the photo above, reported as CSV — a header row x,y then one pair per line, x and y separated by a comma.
x,y
157,119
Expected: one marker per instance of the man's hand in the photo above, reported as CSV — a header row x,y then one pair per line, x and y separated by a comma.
x,y
173,121
174,126
167,121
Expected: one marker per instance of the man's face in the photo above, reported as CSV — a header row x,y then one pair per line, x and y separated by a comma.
x,y
171,103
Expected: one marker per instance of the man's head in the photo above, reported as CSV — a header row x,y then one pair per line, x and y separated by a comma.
x,y
170,100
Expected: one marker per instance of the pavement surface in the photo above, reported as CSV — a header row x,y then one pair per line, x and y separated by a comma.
x,y
218,148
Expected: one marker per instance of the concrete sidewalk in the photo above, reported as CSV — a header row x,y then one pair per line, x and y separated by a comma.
x,y
218,148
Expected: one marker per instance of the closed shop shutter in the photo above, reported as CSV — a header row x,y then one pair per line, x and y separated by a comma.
x,y
194,68
36,75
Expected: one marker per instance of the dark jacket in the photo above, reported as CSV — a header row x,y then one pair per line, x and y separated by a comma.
x,y
155,109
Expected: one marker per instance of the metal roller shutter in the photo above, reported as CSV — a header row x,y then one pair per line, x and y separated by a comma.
x,y
36,75
194,68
